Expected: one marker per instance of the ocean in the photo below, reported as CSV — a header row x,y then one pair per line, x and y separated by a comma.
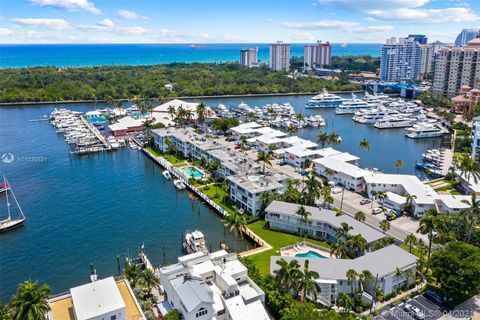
x,y
91,209
62,55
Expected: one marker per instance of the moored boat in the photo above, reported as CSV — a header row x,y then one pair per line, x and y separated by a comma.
x,y
194,242
9,223
167,175
179,184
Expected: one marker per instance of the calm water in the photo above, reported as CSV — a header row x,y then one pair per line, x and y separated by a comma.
x,y
93,208
142,54
88,209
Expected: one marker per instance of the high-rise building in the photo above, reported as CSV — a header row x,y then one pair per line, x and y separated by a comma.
x,y
279,56
465,36
249,57
428,53
420,38
455,67
317,55
400,60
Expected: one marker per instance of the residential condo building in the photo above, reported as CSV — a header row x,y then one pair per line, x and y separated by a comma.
x,y
465,36
249,57
400,60
455,67
279,56
317,55
204,286
428,54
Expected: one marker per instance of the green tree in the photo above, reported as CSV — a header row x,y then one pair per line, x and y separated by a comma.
x,y
345,301
384,225
265,158
398,165
352,277
312,189
236,223
322,138
307,311
288,274
30,301
307,284
357,245
360,216
173,314
427,226
334,139
472,214
133,274
457,268
149,279
303,213
470,168
200,111
410,241
364,145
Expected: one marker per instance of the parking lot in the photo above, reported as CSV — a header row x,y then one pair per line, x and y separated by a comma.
x,y
430,310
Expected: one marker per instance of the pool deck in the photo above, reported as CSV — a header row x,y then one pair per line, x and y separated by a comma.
x,y
299,248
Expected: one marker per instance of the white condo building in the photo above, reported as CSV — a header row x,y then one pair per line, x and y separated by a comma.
x,y
400,60
317,55
249,57
475,138
279,56
216,286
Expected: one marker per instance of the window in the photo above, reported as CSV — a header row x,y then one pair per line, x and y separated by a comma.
x,y
114,317
201,312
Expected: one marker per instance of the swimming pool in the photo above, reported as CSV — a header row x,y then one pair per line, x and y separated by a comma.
x,y
310,254
193,172
140,115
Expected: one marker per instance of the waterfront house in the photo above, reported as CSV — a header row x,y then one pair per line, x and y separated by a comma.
x,y
125,126
162,112
383,264
212,286
246,189
447,203
101,299
249,130
339,169
321,223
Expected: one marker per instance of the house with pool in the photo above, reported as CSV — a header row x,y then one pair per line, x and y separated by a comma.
x,y
322,223
392,268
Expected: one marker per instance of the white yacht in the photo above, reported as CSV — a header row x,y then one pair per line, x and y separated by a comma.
x,y
424,130
315,121
376,97
394,121
179,184
354,104
374,115
194,242
324,100
167,175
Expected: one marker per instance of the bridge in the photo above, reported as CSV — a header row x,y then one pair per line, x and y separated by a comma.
x,y
406,90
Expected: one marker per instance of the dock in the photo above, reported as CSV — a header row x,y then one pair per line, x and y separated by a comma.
x,y
96,133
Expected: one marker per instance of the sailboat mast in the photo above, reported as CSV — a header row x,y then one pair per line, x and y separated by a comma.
x,y
8,202
15,198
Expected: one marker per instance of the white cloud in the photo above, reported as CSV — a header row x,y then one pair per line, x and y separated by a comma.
x,y
357,5
426,16
129,15
69,5
133,30
302,36
55,24
106,23
346,26
5,32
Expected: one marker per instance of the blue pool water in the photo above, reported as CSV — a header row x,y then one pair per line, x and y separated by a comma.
x,y
139,115
193,172
96,120
310,254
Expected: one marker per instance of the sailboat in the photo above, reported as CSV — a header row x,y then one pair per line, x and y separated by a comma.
x,y
9,223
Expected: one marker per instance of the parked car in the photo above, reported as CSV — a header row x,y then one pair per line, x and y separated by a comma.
x,y
391,217
230,139
331,183
336,190
390,214
237,146
414,311
365,201
281,162
437,298
377,210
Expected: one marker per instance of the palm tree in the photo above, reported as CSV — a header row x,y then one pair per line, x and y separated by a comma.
x,y
200,111
171,111
352,276
427,226
345,301
363,277
149,279
303,213
410,241
398,165
299,116
409,207
357,244
339,250
364,145
360,216
291,128
307,283
398,272
288,273
326,193
380,196
334,139
30,301
470,168
343,232
472,213
384,225
236,222
322,138
265,158
312,189
132,273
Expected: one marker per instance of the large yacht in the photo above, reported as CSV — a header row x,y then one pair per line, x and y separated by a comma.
x,y
376,97
374,115
354,104
424,130
394,121
324,100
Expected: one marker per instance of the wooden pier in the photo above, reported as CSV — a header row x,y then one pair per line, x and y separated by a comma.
x,y
97,133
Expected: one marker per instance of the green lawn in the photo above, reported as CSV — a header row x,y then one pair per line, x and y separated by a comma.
x,y
277,240
173,159
216,190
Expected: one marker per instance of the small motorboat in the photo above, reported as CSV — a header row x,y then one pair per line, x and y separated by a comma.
x,y
167,175
179,184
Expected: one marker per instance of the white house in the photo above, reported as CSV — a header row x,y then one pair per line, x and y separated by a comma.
x,y
343,173
212,286
382,264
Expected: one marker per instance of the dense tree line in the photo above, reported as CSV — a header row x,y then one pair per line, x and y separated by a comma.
x,y
356,63
124,82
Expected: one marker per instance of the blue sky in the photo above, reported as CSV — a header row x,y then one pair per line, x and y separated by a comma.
x,y
223,21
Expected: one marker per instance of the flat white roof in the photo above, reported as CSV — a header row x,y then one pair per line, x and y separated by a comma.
x,y
325,152
300,151
246,127
455,201
97,298
340,166
176,103
345,157
396,198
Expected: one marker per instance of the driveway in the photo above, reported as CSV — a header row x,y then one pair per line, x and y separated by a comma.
x,y
430,310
